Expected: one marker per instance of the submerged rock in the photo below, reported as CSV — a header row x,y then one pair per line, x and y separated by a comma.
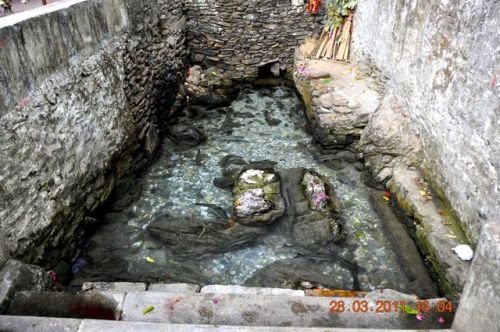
x,y
257,197
186,135
192,238
313,214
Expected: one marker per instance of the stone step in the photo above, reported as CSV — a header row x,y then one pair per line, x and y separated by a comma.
x,y
269,310
231,309
123,287
43,324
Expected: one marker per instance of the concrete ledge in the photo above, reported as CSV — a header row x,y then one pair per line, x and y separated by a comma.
x,y
264,310
480,300
234,289
45,324
435,238
174,288
38,324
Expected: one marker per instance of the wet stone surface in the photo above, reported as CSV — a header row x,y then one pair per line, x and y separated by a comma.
x,y
182,227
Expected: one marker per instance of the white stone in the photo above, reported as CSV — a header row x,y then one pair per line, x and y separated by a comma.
x,y
464,252
251,175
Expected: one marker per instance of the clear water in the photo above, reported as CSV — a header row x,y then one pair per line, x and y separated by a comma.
x,y
174,183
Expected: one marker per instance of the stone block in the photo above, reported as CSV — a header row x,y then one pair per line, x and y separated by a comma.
x,y
38,324
235,289
114,287
174,288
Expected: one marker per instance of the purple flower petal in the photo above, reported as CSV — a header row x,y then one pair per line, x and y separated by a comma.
x,y
441,320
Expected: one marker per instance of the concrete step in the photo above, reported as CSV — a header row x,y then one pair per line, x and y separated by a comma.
x,y
46,324
229,306
269,310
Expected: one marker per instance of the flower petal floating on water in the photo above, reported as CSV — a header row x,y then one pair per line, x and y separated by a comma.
x,y
150,260
441,320
419,317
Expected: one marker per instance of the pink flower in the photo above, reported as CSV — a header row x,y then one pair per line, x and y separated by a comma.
x,y
215,301
24,102
419,317
302,71
441,320
320,198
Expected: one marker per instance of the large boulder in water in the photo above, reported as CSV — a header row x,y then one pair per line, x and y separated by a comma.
x,y
257,197
313,213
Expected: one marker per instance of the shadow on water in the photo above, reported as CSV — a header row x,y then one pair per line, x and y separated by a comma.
x,y
178,226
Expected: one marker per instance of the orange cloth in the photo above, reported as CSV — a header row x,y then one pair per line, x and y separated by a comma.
x,y
314,6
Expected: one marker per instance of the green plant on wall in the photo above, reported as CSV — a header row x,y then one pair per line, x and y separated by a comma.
x,y
337,10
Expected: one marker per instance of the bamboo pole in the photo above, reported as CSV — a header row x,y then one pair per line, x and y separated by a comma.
x,y
330,54
345,39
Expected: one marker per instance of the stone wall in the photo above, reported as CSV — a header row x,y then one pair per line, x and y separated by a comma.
x,y
240,36
82,87
443,58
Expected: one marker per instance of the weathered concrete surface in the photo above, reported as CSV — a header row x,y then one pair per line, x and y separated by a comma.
x,y
389,140
43,324
442,57
262,310
38,324
434,236
240,36
478,310
93,305
234,289
174,288
81,90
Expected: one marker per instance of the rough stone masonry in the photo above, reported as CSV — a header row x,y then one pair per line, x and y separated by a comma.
x,y
81,88
85,87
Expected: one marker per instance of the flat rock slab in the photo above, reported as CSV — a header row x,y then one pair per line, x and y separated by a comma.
x,y
434,237
262,310
233,289
114,287
174,288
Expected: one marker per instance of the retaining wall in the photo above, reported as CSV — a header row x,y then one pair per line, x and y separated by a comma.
x,y
81,84
442,58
